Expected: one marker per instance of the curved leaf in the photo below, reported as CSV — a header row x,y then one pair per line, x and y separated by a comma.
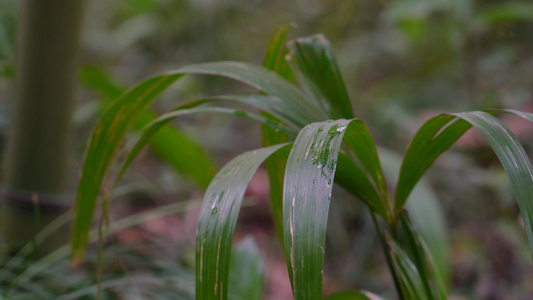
x,y
439,133
307,191
152,129
218,215
109,131
172,145
103,145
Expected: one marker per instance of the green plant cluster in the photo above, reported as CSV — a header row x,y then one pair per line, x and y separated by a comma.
x,y
311,133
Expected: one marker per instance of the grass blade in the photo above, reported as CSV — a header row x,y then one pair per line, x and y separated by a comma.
x,y
360,141
151,129
265,81
439,133
275,165
409,276
426,213
307,191
514,160
171,144
275,54
433,286
103,146
217,219
109,131
316,68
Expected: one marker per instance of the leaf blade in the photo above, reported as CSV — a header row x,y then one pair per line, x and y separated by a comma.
x,y
217,219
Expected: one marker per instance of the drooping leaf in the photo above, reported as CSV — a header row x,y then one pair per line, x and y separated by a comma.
x,y
307,190
514,160
109,131
265,81
217,219
316,68
151,129
103,146
171,144
246,272
439,133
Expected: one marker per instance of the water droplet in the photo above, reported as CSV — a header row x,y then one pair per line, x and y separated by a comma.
x,y
341,128
320,129
214,210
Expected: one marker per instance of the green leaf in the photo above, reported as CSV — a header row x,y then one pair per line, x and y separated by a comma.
x,y
265,81
103,146
433,285
360,142
109,131
275,165
217,219
172,145
426,212
152,129
246,273
514,160
275,54
307,191
352,178
409,277
427,144
316,68
353,295
439,133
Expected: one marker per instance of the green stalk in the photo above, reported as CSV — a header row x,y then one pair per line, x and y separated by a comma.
x,y
388,257
46,72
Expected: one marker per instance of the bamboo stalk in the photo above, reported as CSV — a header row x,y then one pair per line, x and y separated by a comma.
x,y
46,72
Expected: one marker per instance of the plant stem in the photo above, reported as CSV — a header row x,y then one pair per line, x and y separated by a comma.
x,y
387,252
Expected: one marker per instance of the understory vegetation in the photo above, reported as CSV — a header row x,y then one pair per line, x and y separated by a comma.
x,y
392,188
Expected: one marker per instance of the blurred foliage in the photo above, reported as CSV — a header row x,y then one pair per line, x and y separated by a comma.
x,y
402,61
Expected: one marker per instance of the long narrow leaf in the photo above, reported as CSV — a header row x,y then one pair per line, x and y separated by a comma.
x,y
313,58
109,131
217,219
103,146
410,280
433,286
275,54
173,146
152,128
439,133
307,191
275,165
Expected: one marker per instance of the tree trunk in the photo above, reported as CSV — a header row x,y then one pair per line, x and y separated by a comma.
x,y
46,75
